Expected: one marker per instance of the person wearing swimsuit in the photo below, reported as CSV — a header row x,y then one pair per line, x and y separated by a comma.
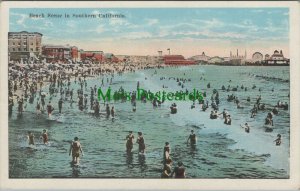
x,y
179,171
75,149
45,136
30,138
192,138
278,140
141,142
129,142
166,153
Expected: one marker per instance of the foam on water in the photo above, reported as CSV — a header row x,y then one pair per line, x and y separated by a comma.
x,y
258,141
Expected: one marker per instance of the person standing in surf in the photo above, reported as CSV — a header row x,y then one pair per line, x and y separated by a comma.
x,y
107,111
43,102
167,151
141,142
60,103
45,137
129,142
49,109
30,138
75,149
192,138
38,107
112,111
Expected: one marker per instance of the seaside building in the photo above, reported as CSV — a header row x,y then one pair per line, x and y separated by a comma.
x,y
160,58
74,54
110,57
238,59
24,46
226,59
200,58
59,53
160,53
267,57
177,60
277,58
216,60
142,59
257,57
97,56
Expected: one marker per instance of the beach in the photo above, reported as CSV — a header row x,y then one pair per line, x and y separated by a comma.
x,y
222,151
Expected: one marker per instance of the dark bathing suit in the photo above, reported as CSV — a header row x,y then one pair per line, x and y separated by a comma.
x,y
193,139
179,172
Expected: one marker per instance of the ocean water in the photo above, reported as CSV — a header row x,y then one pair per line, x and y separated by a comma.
x,y
221,152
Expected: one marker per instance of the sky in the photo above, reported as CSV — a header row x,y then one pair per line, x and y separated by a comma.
x,y
144,31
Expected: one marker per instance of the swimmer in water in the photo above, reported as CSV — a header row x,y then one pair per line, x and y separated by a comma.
x,y
179,171
129,142
44,136
227,120
112,111
60,103
192,138
30,137
167,151
75,149
38,108
278,140
224,113
49,109
246,127
140,140
167,169
107,111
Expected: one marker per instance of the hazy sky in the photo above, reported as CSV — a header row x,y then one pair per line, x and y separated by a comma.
x,y
144,31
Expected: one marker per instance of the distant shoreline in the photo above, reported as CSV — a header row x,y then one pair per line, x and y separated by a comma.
x,y
220,64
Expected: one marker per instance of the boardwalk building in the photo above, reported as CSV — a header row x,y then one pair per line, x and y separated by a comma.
x,y
24,46
177,60
277,58
200,58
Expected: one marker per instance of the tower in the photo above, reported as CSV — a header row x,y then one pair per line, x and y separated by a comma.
x,y
159,53
237,52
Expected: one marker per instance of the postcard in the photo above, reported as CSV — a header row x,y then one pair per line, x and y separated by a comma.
x,y
150,95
